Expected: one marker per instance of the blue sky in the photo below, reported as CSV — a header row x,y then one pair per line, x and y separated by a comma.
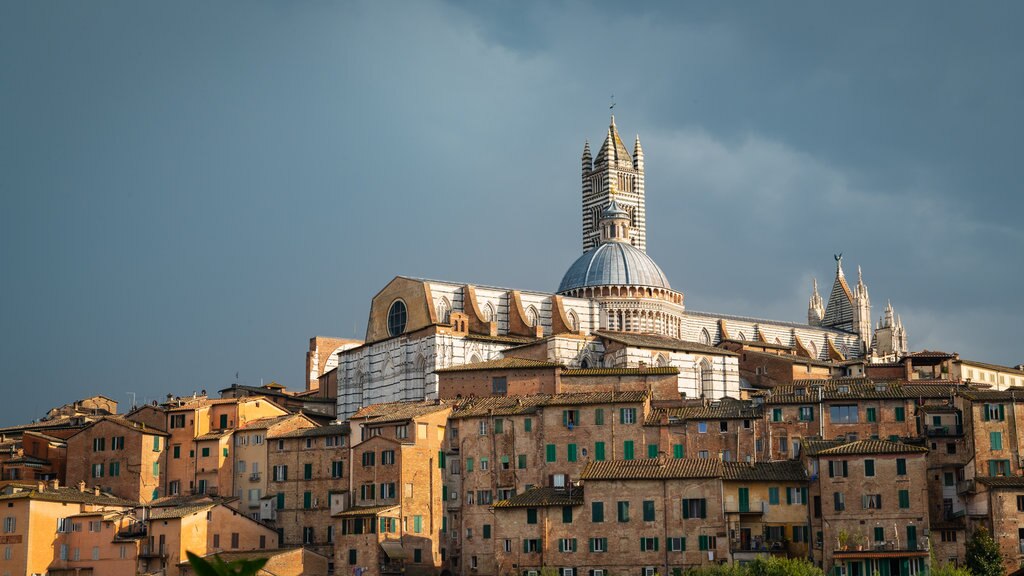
x,y
194,189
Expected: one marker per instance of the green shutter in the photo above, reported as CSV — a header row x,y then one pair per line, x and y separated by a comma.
x,y
652,450
901,466
599,451
1002,413
869,467
444,493
551,454
702,542
528,424
522,461
566,514
789,496
686,509
996,440
307,471
280,500
773,496
627,449
307,499
531,515
677,451
469,464
441,460
703,508
571,452
597,511
901,414
599,417
904,499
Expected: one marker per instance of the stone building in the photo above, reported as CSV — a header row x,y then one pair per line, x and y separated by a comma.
x,y
308,471
869,503
766,509
120,455
250,457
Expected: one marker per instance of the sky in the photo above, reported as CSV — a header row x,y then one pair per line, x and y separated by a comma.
x,y
192,190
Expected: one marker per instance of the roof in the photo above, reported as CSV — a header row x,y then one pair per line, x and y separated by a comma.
x,y
365,510
976,395
753,320
779,471
661,343
498,406
613,263
930,354
215,435
329,430
995,367
996,482
814,446
234,555
644,371
613,150
724,409
502,338
832,389
126,423
169,512
653,469
66,494
265,423
398,411
507,363
545,496
872,447
581,398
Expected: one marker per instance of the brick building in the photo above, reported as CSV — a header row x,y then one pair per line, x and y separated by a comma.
x,y
121,455
251,460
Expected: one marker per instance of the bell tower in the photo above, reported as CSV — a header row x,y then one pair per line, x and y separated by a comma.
x,y
614,173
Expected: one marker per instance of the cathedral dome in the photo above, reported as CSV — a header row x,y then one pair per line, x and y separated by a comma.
x,y
613,264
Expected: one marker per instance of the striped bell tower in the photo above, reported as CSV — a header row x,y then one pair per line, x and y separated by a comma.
x,y
614,173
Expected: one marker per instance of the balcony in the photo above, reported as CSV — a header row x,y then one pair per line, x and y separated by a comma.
x,y
949,431
915,549
752,508
758,545
392,567
254,477
147,552
132,532
965,487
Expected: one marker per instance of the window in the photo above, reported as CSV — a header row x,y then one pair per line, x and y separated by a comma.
x,y
871,501
570,418
994,412
648,544
998,467
531,545
776,414
387,457
499,386
531,515
206,451
598,544
499,426
648,510
599,453
99,444
234,539
369,458
838,468
702,454
627,450
417,524
484,497
707,542
702,427
599,417
1020,503
678,452
307,535
115,468
623,511
869,468
996,440
97,470
652,450
901,414
396,318
485,464
773,495
177,420
387,490
487,531
571,452
839,500
567,545
806,413
904,496
402,431
844,414
280,473
723,426
677,544
796,495
337,468
901,466
695,508
10,523
483,427
528,425
597,511
627,415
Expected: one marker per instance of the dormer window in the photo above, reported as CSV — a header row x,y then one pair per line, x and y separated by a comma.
x,y
800,391
843,389
880,387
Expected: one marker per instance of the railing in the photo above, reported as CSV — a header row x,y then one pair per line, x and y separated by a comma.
x,y
889,546
965,486
751,508
755,545
944,431
954,514
254,477
133,531
148,552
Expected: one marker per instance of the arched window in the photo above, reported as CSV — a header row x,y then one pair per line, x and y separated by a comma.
x,y
777,341
574,321
531,316
707,379
444,311
661,361
474,358
705,337
488,312
397,315
812,349
741,336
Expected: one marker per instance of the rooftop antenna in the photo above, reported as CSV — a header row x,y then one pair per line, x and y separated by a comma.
x,y
132,394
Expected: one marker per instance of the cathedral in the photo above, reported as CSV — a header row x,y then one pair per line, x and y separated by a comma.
x,y
614,308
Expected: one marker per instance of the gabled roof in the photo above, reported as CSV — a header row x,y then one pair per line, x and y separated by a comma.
x,y
215,435
653,469
169,512
646,371
398,411
329,430
498,406
657,342
266,423
583,398
365,510
814,446
975,395
507,363
872,447
125,423
840,389
69,495
779,471
545,496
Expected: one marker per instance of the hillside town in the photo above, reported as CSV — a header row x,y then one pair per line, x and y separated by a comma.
x,y
602,429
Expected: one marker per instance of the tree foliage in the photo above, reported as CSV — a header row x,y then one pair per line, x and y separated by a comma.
x,y
770,566
217,567
983,557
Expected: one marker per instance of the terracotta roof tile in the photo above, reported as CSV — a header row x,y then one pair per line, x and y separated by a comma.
x,y
648,371
546,496
872,447
499,406
724,409
398,411
168,512
661,343
365,510
329,430
780,471
1015,482
653,469
840,389
581,398
65,494
507,363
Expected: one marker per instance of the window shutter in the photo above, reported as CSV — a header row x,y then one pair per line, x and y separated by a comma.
x,y
686,507
831,469
677,451
1002,413
591,544
656,544
803,495
703,508
789,495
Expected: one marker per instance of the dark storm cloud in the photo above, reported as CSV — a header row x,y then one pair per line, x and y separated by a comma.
x,y
192,190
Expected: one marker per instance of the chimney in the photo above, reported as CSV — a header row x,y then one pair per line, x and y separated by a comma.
x,y
96,490
81,485
54,483
41,486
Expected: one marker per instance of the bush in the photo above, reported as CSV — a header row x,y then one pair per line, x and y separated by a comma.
x,y
217,567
